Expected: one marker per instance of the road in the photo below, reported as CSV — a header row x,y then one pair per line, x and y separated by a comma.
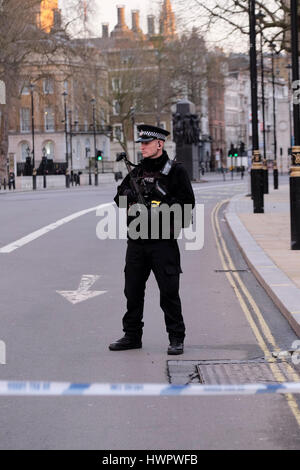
x,y
49,338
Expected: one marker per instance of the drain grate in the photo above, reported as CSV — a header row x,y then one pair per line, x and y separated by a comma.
x,y
226,372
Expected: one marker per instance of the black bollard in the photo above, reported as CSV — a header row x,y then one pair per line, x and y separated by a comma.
x,y
275,175
257,184
265,176
67,179
34,179
295,199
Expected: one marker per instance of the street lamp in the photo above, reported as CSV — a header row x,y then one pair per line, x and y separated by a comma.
x,y
273,49
31,86
88,155
65,94
71,146
132,115
93,102
256,171
295,168
261,16
44,167
289,68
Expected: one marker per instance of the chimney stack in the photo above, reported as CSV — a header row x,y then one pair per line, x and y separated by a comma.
x,y
136,21
151,25
57,22
105,30
121,16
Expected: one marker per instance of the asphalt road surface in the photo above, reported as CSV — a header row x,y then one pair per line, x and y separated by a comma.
x,y
49,338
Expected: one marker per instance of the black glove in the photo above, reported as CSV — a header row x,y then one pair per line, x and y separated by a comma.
x,y
130,194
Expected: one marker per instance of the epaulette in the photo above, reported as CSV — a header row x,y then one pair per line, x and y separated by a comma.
x,y
168,167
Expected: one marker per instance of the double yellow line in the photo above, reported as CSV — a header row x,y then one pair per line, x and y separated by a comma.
x,y
262,333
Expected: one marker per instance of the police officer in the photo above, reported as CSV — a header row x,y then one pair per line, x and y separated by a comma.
x,y
160,181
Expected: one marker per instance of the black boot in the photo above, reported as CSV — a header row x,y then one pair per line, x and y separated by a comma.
x,y
176,347
126,343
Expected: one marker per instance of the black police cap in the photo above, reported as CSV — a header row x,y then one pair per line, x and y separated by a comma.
x,y
149,133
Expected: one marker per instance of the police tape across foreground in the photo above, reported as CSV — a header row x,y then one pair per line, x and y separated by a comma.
x,y
19,388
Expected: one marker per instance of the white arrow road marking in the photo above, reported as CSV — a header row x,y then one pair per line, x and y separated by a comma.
x,y
83,292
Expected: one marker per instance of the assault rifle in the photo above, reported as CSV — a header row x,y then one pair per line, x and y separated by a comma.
x,y
133,184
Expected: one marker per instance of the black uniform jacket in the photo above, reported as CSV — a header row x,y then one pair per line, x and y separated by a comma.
x,y
176,184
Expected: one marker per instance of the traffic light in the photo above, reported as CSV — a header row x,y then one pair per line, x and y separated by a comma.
x,y
236,153
242,148
231,151
99,156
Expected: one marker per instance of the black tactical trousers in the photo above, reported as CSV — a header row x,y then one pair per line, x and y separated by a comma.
x,y
163,258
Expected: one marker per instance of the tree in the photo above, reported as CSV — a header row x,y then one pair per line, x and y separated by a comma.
x,y
190,65
234,14
125,88
23,41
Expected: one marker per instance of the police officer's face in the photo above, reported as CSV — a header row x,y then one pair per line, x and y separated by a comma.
x,y
153,149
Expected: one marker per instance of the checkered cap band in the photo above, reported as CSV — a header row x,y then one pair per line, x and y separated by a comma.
x,y
156,135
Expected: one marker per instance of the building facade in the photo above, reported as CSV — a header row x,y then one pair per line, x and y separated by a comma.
x,y
54,114
238,111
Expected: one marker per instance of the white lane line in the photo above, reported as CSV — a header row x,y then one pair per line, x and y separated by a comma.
x,y
220,186
39,233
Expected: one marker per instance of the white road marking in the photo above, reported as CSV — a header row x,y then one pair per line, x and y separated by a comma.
x,y
39,233
207,188
83,292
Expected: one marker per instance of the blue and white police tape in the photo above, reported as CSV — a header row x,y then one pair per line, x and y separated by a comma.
x,y
15,388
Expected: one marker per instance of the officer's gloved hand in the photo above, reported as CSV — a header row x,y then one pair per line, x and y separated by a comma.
x,y
159,192
131,195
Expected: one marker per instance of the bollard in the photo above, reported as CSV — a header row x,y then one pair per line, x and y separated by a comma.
x,y
275,175
265,176
67,179
295,198
257,183
34,172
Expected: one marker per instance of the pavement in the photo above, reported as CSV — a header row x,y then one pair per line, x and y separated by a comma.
x,y
265,241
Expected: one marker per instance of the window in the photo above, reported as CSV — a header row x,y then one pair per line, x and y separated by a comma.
x,y
25,90
116,108
76,121
25,151
49,147
49,120
48,86
87,148
118,133
116,84
25,119
78,150
102,117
